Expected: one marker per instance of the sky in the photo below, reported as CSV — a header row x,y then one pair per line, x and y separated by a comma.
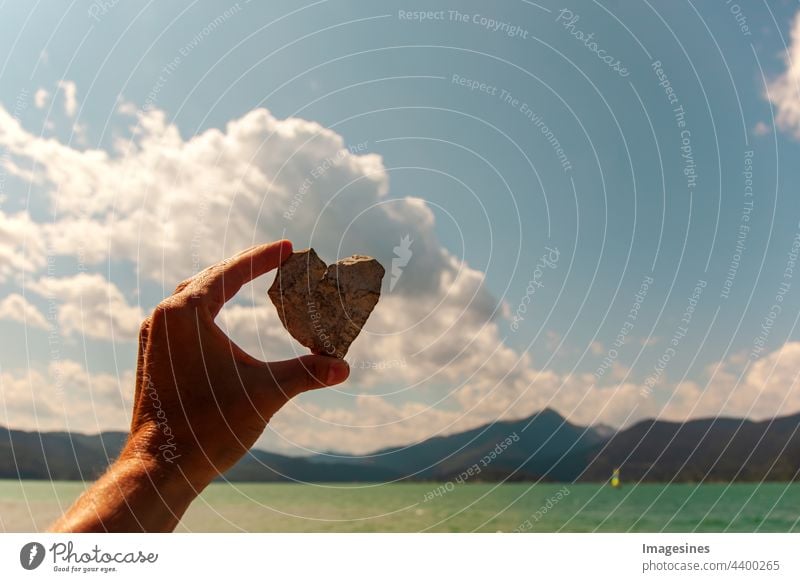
x,y
590,206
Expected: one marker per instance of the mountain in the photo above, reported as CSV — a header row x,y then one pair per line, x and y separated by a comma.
x,y
536,443
56,455
63,456
543,446
714,449
520,450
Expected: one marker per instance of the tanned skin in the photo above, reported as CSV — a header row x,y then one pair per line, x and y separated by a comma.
x,y
200,403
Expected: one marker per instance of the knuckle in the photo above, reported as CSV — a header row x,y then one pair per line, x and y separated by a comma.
x,y
145,325
178,309
171,309
183,285
211,272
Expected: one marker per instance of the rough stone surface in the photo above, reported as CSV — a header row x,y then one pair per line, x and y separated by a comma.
x,y
324,308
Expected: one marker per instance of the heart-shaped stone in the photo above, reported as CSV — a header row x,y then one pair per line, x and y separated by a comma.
x,y
324,308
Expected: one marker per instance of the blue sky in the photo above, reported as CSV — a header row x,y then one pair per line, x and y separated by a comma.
x,y
452,125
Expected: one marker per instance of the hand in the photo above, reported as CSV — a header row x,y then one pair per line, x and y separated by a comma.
x,y
200,403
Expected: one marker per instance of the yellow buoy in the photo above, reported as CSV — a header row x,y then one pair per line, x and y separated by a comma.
x,y
615,482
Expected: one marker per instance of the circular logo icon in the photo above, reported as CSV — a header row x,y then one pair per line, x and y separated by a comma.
x,y
31,555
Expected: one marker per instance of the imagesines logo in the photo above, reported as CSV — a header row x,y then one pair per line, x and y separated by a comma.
x,y
31,555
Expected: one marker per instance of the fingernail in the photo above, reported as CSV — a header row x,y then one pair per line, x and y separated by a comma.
x,y
337,372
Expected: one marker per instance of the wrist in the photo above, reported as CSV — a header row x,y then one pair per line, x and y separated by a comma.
x,y
138,492
163,463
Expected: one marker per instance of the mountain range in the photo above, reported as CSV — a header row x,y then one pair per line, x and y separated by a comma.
x,y
542,447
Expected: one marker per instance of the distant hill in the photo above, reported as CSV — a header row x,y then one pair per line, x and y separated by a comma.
x,y
543,446
540,441
714,449
56,455
63,456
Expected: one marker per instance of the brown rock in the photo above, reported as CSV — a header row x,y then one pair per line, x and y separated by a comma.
x,y
324,308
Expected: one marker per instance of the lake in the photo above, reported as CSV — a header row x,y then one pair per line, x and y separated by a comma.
x,y
435,507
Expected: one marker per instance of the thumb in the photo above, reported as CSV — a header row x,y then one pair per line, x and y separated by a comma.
x,y
307,373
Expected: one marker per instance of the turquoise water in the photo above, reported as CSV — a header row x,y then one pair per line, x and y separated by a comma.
x,y
771,507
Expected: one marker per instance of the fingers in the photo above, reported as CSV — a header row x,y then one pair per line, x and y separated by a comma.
x,y
307,373
219,283
144,335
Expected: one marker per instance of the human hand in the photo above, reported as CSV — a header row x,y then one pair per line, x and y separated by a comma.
x,y
200,402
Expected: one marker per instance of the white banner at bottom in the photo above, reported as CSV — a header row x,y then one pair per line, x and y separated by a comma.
x,y
401,557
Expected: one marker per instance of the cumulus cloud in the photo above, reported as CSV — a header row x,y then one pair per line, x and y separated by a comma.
x,y
170,206
180,204
15,307
765,389
70,92
91,306
21,246
784,91
40,98
432,358
738,387
64,395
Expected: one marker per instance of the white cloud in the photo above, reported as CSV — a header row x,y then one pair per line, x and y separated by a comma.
x,y
761,129
90,305
767,388
15,307
70,92
40,98
221,191
169,206
21,247
784,91
65,396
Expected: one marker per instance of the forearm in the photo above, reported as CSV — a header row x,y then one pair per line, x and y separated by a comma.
x,y
136,494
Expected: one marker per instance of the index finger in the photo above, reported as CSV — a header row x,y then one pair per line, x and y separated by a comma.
x,y
224,279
